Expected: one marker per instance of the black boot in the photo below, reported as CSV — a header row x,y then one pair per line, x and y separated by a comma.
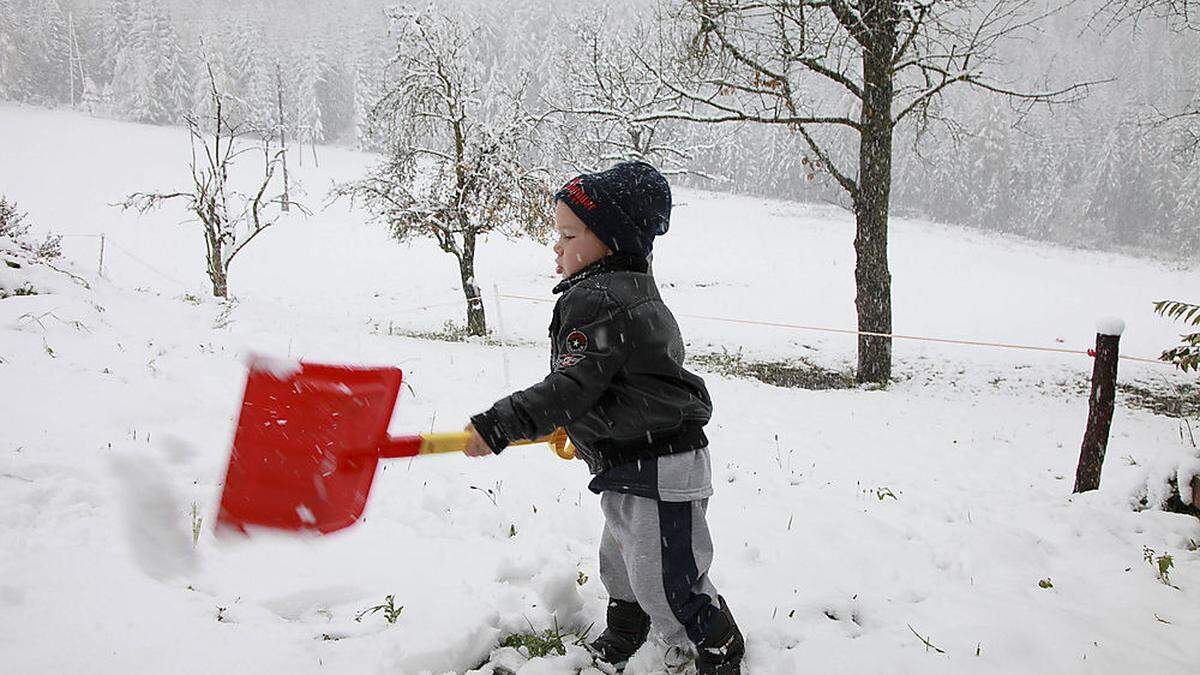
x,y
627,629
721,651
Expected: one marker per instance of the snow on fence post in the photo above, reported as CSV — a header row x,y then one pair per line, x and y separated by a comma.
x,y
1100,404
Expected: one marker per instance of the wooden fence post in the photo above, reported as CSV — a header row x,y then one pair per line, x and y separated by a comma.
x,y
1100,404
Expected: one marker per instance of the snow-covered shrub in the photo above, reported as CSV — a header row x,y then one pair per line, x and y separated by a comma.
x,y
22,259
1171,482
12,222
14,228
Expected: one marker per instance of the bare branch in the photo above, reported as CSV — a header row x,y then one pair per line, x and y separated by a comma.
x,y
144,201
1181,15
848,184
732,114
916,24
817,67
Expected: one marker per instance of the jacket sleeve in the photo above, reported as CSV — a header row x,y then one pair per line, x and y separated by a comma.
x,y
591,347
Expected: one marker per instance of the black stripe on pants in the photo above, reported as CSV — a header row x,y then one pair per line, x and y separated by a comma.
x,y
679,570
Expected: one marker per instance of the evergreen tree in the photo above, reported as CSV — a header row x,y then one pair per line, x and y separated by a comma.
x,y
251,76
150,82
1185,225
172,81
310,127
11,50
1102,185
365,93
116,24
44,68
210,72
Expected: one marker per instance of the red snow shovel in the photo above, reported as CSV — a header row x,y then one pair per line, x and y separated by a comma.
x,y
307,442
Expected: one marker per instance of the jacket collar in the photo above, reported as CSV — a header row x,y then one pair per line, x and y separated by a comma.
x,y
617,262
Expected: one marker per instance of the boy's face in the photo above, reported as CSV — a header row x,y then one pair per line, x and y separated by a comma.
x,y
577,247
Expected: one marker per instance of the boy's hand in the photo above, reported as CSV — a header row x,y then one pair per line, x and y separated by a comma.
x,y
476,446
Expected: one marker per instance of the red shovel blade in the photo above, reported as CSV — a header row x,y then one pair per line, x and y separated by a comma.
x,y
306,447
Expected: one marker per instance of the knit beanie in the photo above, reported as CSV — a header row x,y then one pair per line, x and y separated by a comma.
x,y
625,206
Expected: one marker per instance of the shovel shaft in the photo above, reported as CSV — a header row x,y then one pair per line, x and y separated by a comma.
x,y
456,441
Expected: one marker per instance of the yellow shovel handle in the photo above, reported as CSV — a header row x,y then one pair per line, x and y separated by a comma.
x,y
456,441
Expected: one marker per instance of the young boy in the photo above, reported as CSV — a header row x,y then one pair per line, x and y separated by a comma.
x,y
634,414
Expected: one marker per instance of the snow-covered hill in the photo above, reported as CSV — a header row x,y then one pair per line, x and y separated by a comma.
x,y
847,523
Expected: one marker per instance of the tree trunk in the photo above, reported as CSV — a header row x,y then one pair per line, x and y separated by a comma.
x,y
217,274
220,284
476,320
871,274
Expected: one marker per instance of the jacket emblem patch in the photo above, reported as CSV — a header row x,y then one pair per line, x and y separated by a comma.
x,y
568,360
576,342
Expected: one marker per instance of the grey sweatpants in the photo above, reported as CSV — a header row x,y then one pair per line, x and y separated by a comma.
x,y
657,554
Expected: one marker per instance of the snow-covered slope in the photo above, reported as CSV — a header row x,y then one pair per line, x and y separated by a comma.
x,y
846,523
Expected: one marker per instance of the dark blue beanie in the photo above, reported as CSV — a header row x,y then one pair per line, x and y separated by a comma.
x,y
626,206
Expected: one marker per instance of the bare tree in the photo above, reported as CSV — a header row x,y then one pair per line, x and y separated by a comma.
x,y
596,107
844,73
1180,14
228,218
455,166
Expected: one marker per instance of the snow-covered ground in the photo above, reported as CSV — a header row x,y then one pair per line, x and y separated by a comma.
x,y
846,523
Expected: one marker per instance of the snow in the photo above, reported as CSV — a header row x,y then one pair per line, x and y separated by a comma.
x,y
280,369
1110,325
843,521
1183,478
150,508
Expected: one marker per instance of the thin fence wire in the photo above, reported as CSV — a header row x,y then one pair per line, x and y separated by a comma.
x,y
146,264
110,241
896,336
432,306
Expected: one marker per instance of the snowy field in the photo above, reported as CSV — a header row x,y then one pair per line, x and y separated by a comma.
x,y
848,524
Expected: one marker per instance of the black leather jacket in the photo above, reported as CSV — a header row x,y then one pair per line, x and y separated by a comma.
x,y
617,381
